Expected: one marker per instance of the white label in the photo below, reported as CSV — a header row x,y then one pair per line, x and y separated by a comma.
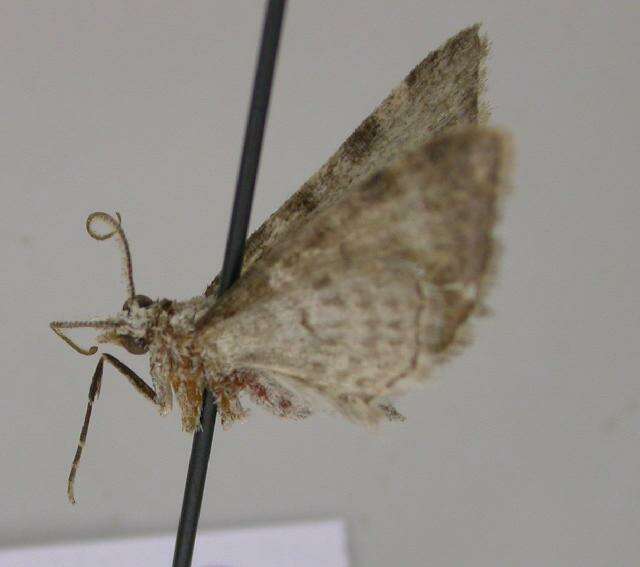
x,y
301,545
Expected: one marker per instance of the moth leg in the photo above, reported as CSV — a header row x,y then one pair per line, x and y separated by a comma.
x,y
138,383
94,391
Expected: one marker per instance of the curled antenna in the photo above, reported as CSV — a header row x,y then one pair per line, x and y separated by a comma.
x,y
56,327
126,254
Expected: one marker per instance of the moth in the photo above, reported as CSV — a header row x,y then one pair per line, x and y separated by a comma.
x,y
356,288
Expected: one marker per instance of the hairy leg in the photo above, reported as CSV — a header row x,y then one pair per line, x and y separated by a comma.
x,y
94,391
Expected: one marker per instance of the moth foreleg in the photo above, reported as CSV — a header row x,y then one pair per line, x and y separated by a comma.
x,y
94,391
135,380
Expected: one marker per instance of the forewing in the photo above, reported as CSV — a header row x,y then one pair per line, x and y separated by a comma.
x,y
361,301
441,92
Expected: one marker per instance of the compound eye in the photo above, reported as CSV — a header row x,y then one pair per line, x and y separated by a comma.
x,y
140,300
143,301
134,345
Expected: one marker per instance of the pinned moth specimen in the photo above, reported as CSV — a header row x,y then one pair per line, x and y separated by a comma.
x,y
360,284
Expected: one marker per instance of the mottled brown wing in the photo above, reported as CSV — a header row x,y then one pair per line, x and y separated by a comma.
x,y
360,302
443,91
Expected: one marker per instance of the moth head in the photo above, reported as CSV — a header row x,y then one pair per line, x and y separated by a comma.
x,y
130,328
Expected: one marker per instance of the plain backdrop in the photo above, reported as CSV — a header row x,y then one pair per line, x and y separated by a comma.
x,y
524,451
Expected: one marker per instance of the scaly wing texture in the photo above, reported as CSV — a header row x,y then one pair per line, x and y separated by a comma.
x,y
442,91
360,302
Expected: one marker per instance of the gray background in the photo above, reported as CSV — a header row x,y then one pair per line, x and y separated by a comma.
x,y
523,452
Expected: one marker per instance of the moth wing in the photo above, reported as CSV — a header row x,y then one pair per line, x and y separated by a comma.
x,y
441,92
364,299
